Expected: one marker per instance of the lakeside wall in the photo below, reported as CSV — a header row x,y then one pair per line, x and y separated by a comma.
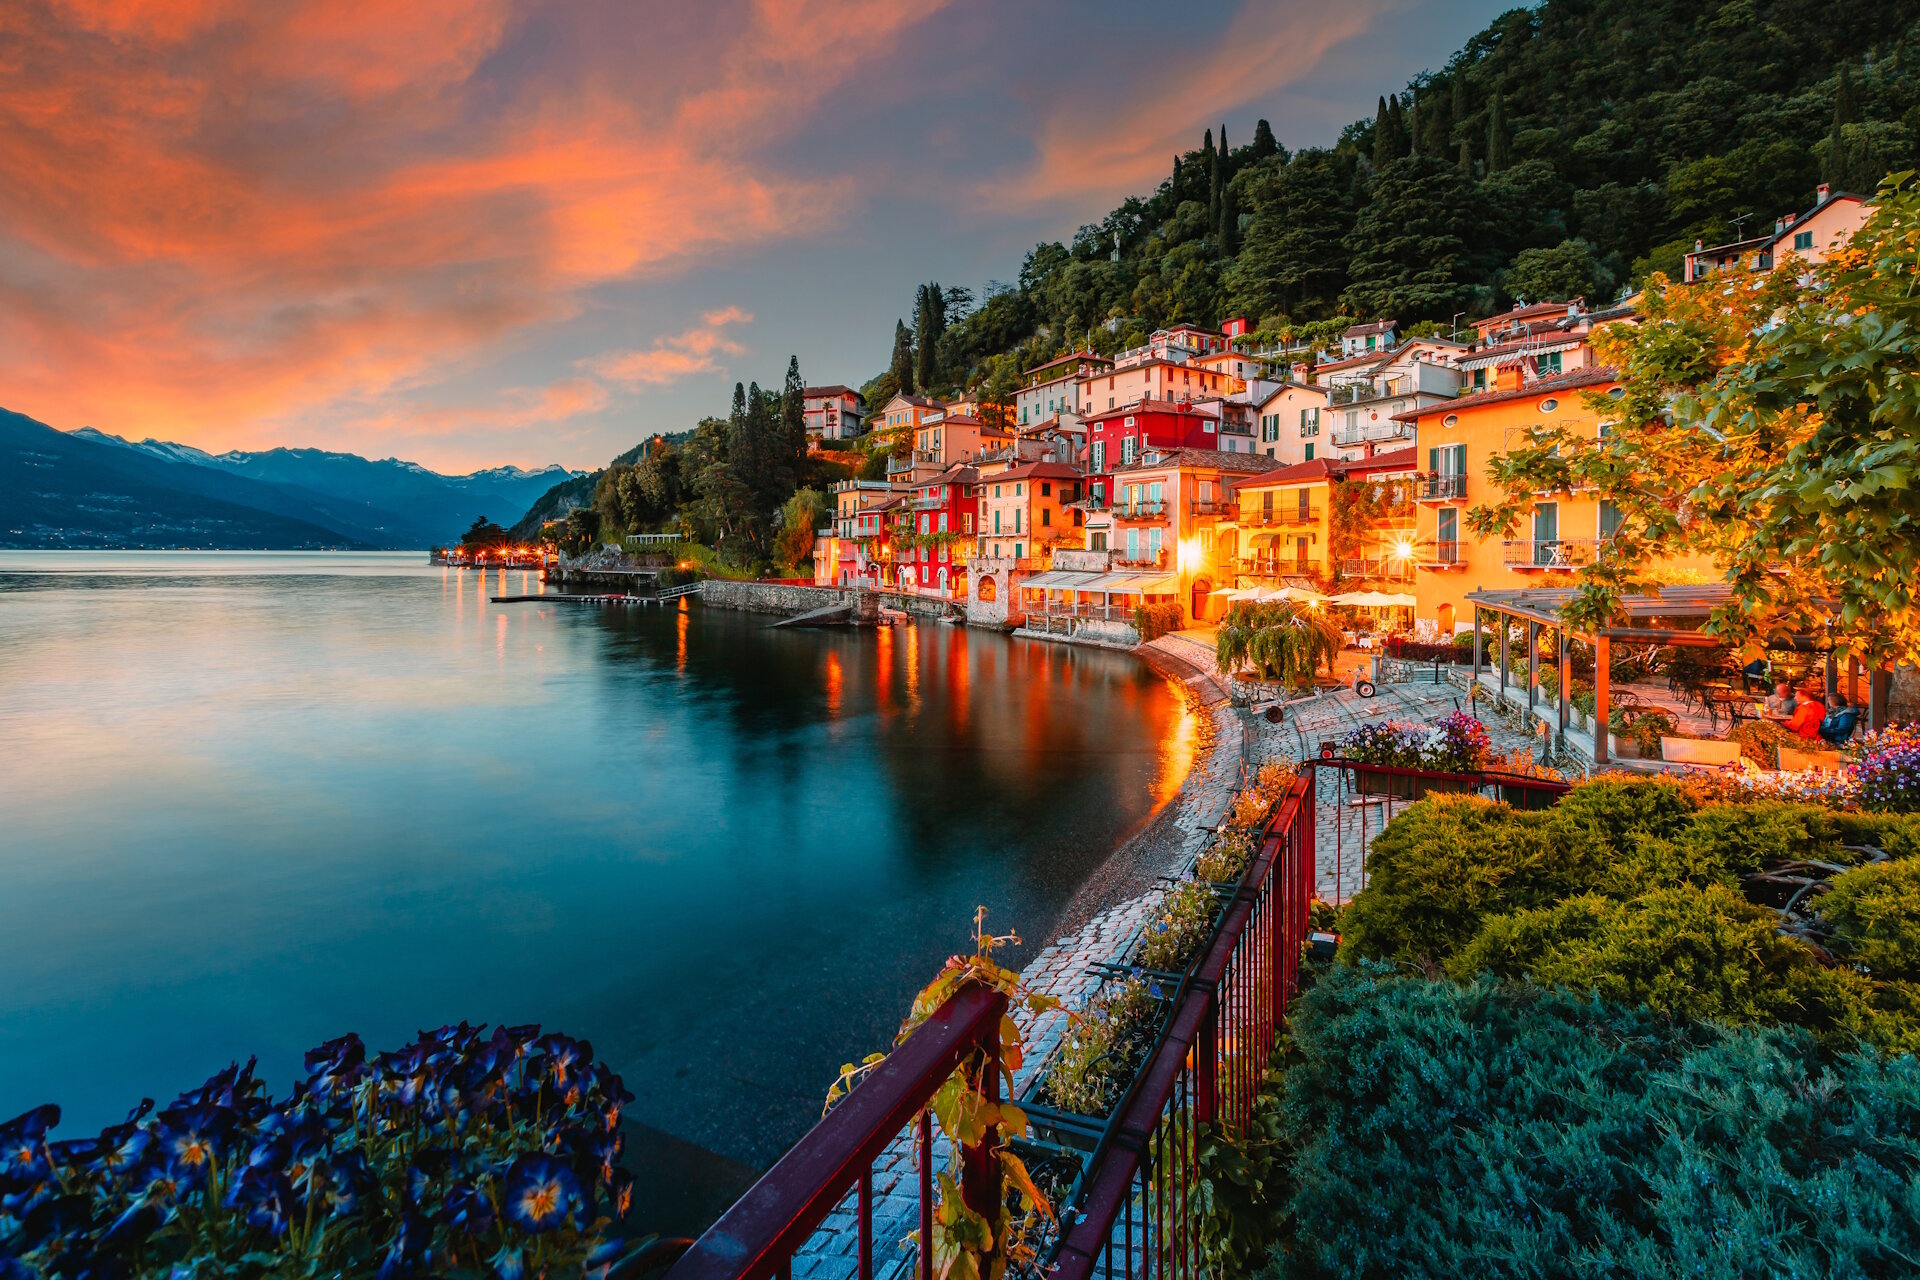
x,y
788,600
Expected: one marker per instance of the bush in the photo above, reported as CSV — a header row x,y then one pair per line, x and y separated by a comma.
x,y
1760,741
1420,651
1443,865
1155,620
1441,1131
1875,915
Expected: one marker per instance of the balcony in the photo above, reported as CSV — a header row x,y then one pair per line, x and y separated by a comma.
x,y
1141,511
1567,554
1211,507
1445,555
1279,567
1143,561
1384,569
1372,433
928,504
1279,517
1440,488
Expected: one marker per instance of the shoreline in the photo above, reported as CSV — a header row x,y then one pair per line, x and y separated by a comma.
x,y
1159,845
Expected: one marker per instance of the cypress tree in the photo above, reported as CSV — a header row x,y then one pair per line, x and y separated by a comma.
x,y
1413,123
1439,125
1229,221
1497,139
1837,166
929,325
902,365
1264,143
1382,137
793,417
1216,189
1460,120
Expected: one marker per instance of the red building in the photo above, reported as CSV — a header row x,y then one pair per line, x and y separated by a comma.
x,y
933,561
1116,437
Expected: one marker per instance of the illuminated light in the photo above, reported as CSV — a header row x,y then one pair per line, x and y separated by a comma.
x,y
1403,549
1187,556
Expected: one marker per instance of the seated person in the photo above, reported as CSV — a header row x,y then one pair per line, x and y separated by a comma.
x,y
1755,673
1808,714
1840,721
1781,701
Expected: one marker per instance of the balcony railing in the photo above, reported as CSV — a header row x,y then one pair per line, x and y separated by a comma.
x,y
1211,507
928,504
1440,488
1446,552
1549,553
1386,568
1279,567
1372,433
1141,510
1262,517
1142,560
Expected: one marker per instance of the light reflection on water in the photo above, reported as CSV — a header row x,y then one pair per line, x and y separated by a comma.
x,y
257,800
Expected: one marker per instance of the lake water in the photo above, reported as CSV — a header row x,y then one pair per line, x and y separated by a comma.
x,y
255,800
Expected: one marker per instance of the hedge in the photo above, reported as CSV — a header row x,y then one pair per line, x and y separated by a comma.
x,y
1445,1130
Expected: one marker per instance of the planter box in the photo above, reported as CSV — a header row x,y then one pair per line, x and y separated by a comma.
x,y
1796,760
1439,786
1622,748
1699,751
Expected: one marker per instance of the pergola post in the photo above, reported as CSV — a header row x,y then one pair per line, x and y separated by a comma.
x,y
1533,667
1566,680
1506,636
1602,677
1476,654
1879,692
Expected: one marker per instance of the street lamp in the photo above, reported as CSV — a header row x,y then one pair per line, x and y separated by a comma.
x,y
1456,324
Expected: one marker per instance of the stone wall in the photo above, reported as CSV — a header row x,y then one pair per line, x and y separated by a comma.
x,y
991,593
771,597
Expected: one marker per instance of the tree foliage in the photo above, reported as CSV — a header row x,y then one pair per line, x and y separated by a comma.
x,y
1772,428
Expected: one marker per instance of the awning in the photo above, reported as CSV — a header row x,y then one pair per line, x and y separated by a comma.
x,y
1376,599
1057,580
1513,354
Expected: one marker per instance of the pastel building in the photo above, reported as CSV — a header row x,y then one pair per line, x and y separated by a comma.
x,y
1118,437
1053,389
833,413
1172,513
1809,237
1026,510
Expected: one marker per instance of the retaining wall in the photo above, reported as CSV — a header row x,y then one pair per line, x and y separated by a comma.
x,y
772,597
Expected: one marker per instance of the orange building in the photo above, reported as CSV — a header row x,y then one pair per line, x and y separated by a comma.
x,y
1286,523
1809,237
1026,510
1173,511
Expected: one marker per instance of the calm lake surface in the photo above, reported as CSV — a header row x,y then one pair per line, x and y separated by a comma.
x,y
255,800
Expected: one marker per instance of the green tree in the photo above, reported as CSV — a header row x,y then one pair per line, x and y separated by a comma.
x,y
484,533
1570,269
1264,143
1409,245
1295,257
1775,430
1834,166
1499,142
800,517
793,422
930,322
902,367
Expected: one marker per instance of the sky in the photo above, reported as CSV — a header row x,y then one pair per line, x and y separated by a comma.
x,y
476,232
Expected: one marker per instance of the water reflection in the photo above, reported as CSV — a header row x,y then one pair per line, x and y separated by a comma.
x,y
255,802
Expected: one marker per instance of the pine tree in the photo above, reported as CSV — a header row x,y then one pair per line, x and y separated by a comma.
x,y
1216,179
1397,126
1229,221
1414,146
1497,139
1294,259
1382,137
1409,245
902,365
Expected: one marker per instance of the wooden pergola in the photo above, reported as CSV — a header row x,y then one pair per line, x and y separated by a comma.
x,y
1673,617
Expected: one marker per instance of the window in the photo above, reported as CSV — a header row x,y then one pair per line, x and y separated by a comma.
x,y
1046,489
1099,455
1479,379
1153,543
1128,448
1610,519
1451,420
1549,405
1154,492
1016,551
1016,519
996,491
1550,363
996,520
1020,489
1133,544
1803,240
1099,541
1309,457
1447,548
1353,419
943,522
1046,516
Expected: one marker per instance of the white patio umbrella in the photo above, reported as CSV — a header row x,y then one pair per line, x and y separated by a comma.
x,y
1375,599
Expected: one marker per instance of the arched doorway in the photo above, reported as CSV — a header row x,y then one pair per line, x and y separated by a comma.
x,y
989,589
1445,614
1202,597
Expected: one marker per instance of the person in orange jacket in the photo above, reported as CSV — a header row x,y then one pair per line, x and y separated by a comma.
x,y
1808,713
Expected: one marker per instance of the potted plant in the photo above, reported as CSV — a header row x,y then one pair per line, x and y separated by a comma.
x,y
1584,703
1389,744
1458,744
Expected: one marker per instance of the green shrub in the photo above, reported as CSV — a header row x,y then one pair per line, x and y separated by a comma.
x,y
1694,953
1155,620
1440,1130
1739,839
1875,915
1898,834
1760,741
1179,928
1445,864
1615,815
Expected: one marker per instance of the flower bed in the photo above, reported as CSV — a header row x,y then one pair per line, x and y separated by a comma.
x,y
1107,1040
462,1151
1458,743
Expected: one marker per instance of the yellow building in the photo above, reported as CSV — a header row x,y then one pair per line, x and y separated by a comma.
x,y
1173,511
1458,441
1289,528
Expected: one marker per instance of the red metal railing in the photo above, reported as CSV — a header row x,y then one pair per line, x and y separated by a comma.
x,y
1134,1215
1133,1219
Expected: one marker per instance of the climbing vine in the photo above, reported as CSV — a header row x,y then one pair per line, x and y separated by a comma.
x,y
969,1245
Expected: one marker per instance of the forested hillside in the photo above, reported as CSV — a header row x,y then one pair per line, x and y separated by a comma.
x,y
1572,148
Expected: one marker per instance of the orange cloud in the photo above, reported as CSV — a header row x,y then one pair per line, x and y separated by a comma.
x,y
223,218
680,355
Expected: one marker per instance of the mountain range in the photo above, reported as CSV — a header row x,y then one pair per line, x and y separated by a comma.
x,y
86,488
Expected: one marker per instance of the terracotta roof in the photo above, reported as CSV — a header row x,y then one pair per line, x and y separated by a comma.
x,y
1072,357
1371,357
1398,460
821,393
1147,404
958,473
1372,326
912,399
1296,473
1596,377
1038,471
1215,459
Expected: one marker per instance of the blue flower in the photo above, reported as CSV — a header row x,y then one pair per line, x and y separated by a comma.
x,y
23,1144
541,1192
509,1264
189,1140
408,1252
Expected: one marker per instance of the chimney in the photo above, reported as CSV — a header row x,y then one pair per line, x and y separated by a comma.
x,y
1820,194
